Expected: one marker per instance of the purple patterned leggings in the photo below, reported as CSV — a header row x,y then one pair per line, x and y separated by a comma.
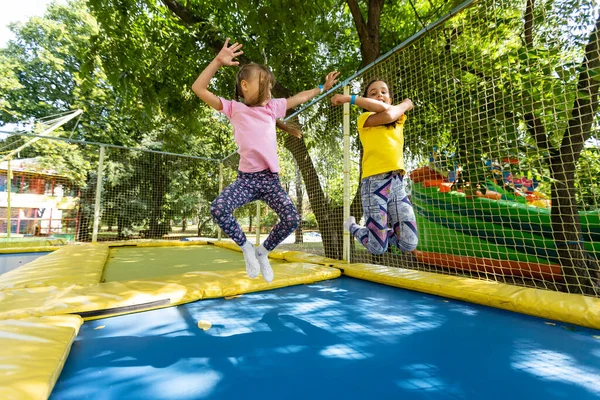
x,y
248,187
389,216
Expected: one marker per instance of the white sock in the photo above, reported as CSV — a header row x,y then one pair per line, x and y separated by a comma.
x,y
349,222
262,255
252,267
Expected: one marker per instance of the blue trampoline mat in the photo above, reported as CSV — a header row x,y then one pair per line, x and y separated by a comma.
x,y
10,261
339,339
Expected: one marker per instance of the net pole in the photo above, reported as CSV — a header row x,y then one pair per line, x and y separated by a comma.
x,y
346,123
219,231
98,196
8,188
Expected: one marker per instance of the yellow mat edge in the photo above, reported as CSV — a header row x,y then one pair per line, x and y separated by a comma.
x,y
190,293
156,243
227,245
36,273
43,378
179,289
564,307
37,249
286,255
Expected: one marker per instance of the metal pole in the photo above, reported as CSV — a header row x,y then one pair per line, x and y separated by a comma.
x,y
8,188
219,231
258,223
346,246
98,196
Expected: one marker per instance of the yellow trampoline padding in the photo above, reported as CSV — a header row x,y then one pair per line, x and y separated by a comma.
x,y
34,351
148,294
31,249
30,302
31,242
162,243
227,245
287,255
298,256
69,265
570,308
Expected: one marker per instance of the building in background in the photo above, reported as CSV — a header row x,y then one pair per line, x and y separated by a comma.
x,y
41,201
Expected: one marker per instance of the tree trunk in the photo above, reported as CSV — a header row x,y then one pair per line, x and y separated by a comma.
x,y
121,226
201,225
581,271
158,226
316,196
368,31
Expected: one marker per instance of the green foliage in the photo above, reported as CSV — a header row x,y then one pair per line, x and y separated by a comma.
x,y
66,159
587,179
310,221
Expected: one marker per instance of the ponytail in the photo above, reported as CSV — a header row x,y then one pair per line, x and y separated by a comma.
x,y
288,127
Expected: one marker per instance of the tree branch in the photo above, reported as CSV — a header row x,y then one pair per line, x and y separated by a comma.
x,y
368,32
534,124
412,5
359,21
375,7
184,14
529,23
213,41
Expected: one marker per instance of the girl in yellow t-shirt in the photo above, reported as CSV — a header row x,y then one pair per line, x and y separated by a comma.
x,y
389,216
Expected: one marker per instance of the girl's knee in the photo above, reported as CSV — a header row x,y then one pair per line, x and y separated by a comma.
x,y
217,211
291,218
405,245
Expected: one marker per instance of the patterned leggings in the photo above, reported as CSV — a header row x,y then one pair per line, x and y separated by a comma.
x,y
383,197
248,187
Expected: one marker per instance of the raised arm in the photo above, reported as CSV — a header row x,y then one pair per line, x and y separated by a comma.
x,y
392,114
384,113
306,95
225,57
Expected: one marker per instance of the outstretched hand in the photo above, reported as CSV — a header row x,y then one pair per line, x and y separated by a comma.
x,y
330,80
228,53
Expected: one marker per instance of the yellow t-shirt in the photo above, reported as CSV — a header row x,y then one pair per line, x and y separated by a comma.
x,y
382,145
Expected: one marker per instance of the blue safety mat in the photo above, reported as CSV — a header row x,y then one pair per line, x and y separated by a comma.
x,y
339,339
10,261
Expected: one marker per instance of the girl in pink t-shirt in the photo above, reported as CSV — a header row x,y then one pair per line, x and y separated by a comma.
x,y
253,123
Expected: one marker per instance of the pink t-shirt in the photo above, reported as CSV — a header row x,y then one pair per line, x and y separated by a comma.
x,y
254,133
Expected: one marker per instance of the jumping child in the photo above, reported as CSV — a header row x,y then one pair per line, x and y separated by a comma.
x,y
253,119
384,199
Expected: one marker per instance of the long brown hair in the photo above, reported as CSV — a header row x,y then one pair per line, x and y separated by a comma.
x,y
266,80
390,93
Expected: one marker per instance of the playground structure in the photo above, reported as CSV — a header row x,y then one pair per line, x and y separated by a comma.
x,y
489,232
44,202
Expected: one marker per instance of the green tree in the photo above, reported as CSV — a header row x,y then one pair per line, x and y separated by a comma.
x,y
53,66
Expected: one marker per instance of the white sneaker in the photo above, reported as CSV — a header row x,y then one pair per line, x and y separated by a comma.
x,y
252,266
349,222
262,255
